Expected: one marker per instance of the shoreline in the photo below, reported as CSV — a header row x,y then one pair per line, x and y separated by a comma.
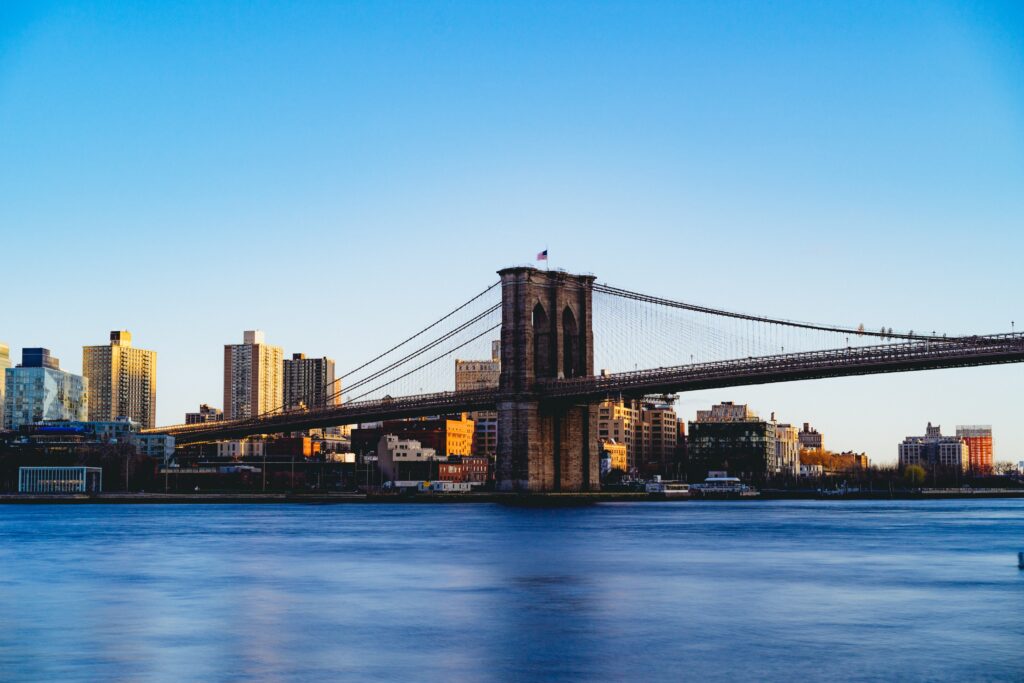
x,y
510,499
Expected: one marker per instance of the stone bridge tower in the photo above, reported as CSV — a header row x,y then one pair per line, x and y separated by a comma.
x,y
546,333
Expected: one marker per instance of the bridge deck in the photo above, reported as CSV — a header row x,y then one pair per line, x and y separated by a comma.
x,y
885,358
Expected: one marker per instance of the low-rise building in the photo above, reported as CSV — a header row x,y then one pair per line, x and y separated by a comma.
x,y
237,449
60,480
39,390
473,469
157,446
406,459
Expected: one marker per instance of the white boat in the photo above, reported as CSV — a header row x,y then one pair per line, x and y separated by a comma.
x,y
724,486
669,489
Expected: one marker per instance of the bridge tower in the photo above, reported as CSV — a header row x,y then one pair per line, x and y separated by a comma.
x,y
546,333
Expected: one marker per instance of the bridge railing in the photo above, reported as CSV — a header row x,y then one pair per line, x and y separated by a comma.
x,y
780,363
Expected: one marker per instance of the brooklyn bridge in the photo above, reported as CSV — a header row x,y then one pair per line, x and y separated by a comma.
x,y
568,342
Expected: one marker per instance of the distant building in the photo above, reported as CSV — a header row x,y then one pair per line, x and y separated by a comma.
x,y
122,380
810,438
39,390
5,362
205,414
616,453
787,449
935,449
473,469
310,382
446,435
156,446
237,449
656,439
617,420
405,459
481,374
60,480
252,377
979,442
727,411
732,438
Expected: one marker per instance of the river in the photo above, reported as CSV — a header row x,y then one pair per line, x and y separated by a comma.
x,y
757,591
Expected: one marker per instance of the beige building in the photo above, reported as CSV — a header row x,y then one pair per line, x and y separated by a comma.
x,y
5,362
122,380
727,411
482,374
648,430
617,420
787,449
252,377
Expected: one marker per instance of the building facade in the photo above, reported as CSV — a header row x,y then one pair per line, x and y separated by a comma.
x,y
205,414
60,480
787,449
252,377
310,382
979,444
122,380
933,449
39,390
5,362
616,454
731,438
406,459
617,421
810,438
482,374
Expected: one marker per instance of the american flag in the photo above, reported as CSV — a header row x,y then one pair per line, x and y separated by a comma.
x,y
543,256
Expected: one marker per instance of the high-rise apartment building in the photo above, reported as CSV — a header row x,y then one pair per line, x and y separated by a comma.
x,y
310,383
39,390
122,380
5,362
205,414
252,377
979,441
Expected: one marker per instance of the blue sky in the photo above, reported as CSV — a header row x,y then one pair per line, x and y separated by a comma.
x,y
188,170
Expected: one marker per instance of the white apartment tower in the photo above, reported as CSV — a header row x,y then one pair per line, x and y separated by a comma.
x,y
252,377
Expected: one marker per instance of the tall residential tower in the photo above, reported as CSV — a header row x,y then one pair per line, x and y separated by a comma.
x,y
252,377
310,383
122,380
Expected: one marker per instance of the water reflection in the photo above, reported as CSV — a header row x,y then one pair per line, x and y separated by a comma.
x,y
766,591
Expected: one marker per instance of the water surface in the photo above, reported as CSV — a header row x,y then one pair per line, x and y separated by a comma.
x,y
767,591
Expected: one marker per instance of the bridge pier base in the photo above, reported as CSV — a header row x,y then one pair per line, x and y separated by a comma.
x,y
547,447
546,334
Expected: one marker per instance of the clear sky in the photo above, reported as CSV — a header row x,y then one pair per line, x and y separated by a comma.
x,y
188,170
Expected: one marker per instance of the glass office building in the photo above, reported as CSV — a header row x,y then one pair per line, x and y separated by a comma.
x,y
39,390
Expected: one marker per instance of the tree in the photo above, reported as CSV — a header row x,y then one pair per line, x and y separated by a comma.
x,y
914,475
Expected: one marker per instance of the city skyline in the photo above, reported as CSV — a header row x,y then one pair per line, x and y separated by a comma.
x,y
876,182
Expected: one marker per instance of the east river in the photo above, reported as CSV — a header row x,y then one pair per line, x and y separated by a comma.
x,y
764,591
